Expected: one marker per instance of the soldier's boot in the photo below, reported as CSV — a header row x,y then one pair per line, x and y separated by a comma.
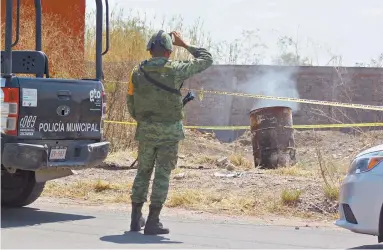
x,y
153,225
137,220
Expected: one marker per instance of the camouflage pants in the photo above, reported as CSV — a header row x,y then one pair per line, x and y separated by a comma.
x,y
164,157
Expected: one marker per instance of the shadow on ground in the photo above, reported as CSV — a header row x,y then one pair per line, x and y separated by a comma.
x,y
26,216
377,246
138,238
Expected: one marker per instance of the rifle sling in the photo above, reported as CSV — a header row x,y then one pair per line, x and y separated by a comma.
x,y
160,85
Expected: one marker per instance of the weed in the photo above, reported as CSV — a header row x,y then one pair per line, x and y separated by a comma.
x,y
184,198
206,160
216,201
330,172
101,185
290,197
240,161
291,171
177,171
331,192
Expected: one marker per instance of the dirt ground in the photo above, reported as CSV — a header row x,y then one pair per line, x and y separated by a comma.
x,y
221,177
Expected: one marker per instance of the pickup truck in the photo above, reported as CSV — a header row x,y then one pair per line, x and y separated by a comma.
x,y
49,127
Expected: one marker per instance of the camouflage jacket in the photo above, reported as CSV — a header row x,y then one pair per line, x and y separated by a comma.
x,y
159,113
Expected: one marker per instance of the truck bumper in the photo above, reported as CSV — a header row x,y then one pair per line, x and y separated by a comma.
x,y
35,157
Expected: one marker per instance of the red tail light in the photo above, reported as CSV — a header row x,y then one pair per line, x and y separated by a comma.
x,y
9,110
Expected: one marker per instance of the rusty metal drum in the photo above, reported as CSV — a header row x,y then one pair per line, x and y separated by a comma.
x,y
272,137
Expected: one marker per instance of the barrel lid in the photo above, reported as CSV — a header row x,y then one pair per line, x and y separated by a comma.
x,y
270,107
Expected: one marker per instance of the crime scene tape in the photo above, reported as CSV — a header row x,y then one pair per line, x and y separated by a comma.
x,y
286,99
340,125
290,99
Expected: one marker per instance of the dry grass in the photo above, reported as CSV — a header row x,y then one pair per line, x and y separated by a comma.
x,y
239,160
331,192
177,171
205,159
211,200
331,171
292,171
61,45
207,200
255,192
96,191
257,204
188,174
101,186
185,198
290,197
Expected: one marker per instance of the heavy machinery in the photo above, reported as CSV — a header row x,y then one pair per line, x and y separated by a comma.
x,y
49,127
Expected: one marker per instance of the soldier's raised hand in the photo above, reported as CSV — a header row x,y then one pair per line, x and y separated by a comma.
x,y
177,40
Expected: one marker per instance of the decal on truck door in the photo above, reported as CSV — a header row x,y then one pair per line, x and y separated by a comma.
x,y
95,97
27,125
29,97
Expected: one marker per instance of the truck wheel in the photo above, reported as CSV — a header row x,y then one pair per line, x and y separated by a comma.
x,y
19,189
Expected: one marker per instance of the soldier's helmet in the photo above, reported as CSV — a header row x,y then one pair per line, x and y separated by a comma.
x,y
161,38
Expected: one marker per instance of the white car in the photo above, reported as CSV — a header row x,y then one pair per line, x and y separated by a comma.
x,y
361,194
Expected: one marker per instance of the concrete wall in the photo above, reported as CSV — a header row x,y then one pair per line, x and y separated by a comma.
x,y
350,85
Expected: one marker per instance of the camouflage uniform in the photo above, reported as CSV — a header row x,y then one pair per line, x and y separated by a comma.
x,y
159,115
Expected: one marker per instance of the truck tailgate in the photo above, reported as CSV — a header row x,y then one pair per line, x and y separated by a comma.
x,y
57,109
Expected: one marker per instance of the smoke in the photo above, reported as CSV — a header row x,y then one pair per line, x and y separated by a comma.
x,y
276,83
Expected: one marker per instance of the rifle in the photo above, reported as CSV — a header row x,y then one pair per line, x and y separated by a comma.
x,y
187,98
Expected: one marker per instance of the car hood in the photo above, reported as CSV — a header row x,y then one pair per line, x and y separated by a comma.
x,y
370,150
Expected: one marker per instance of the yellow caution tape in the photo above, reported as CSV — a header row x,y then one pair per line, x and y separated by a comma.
x,y
286,99
117,122
340,125
290,99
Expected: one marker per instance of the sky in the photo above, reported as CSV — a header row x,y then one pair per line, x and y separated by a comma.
x,y
350,28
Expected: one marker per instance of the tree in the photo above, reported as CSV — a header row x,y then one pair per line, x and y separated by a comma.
x,y
289,54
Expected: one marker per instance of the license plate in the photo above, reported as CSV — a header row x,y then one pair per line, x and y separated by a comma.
x,y
57,154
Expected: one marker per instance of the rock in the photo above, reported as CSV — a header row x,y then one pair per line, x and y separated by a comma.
x,y
179,176
182,156
334,156
219,175
230,167
231,175
221,162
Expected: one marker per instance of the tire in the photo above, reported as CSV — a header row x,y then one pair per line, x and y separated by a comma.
x,y
19,189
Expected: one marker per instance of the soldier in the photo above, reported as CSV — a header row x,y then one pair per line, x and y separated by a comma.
x,y
154,100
